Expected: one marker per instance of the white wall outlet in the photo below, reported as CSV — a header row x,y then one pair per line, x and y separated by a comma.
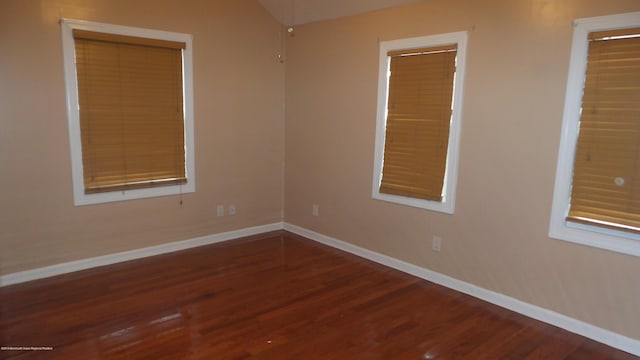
x,y
220,210
315,211
232,209
436,243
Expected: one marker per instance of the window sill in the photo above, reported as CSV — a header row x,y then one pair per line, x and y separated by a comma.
x,y
595,236
80,198
444,207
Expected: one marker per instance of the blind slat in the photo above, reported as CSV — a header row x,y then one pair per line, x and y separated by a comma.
x,y
131,112
597,35
125,39
418,121
425,50
606,178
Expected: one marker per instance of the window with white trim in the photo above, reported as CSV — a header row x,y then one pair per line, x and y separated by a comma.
x,y
130,111
418,121
597,191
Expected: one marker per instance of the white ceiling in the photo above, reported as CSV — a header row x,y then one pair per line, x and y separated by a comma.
x,y
296,12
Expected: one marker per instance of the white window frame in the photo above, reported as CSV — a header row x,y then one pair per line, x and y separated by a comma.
x,y
559,227
447,205
73,115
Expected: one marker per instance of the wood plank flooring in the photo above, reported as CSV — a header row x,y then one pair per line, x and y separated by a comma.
x,y
275,296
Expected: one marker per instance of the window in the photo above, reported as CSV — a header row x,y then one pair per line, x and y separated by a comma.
x,y
597,192
418,122
129,111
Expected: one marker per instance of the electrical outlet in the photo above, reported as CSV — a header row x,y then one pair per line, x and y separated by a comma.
x,y
315,210
232,209
436,243
220,210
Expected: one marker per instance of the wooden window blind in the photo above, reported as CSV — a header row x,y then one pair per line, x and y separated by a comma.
x,y
418,121
130,97
606,175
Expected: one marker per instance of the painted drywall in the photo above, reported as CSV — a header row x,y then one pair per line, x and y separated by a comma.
x,y
497,239
517,67
238,97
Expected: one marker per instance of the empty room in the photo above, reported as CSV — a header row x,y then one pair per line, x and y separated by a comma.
x,y
320,179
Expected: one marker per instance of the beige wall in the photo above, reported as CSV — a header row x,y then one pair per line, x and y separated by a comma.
x,y
238,95
518,57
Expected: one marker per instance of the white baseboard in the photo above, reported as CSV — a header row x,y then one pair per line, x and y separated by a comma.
x,y
550,317
59,269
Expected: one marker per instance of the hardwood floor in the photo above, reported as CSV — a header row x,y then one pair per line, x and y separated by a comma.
x,y
276,296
